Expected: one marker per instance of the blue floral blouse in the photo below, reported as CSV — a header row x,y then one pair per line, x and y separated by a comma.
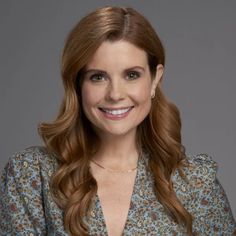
x,y
27,207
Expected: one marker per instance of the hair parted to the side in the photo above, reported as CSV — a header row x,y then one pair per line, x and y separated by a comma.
x,y
72,138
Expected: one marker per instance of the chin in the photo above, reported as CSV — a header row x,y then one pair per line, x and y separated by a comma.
x,y
115,131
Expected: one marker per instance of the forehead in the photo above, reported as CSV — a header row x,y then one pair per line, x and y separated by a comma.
x,y
118,54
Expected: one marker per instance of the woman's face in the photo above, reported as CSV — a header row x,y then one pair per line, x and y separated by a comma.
x,y
117,88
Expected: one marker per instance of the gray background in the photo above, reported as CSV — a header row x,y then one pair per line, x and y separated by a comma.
x,y
199,37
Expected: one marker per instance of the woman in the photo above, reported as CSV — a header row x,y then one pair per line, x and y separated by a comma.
x,y
113,162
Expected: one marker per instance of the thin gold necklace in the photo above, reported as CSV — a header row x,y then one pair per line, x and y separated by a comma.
x,y
115,171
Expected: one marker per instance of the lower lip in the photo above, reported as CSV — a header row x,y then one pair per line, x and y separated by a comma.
x,y
115,117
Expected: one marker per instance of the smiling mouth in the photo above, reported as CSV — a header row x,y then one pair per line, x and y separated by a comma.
x,y
116,111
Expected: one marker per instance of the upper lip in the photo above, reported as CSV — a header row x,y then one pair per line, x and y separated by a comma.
x,y
116,108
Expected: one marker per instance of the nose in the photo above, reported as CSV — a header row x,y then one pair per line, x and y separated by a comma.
x,y
115,90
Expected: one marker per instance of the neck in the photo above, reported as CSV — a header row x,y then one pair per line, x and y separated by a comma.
x,y
118,152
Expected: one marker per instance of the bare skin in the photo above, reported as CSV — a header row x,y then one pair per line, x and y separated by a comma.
x,y
114,192
115,189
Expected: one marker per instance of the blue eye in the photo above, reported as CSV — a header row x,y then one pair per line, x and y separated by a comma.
x,y
97,77
132,75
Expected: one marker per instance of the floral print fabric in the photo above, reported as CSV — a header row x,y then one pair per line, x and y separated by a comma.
x,y
27,207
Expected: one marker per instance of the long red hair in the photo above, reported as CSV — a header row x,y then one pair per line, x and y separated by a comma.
x,y
70,136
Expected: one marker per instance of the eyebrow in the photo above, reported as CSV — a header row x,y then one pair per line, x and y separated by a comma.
x,y
104,72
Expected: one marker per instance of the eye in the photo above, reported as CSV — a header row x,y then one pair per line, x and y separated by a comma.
x,y
97,77
132,75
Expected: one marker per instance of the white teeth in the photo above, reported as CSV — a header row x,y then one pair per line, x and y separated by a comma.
x,y
117,112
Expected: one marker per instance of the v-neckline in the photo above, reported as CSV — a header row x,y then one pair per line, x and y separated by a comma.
x,y
99,205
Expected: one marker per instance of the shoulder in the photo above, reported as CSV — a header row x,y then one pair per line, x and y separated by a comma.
x,y
204,197
199,173
28,173
25,197
35,156
31,153
201,167
29,163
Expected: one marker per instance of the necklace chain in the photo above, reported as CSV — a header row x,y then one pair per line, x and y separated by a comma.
x,y
115,171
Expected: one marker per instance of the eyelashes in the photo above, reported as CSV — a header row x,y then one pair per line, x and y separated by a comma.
x,y
130,75
97,77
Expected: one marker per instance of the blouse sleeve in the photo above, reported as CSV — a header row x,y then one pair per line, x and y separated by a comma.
x,y
213,215
21,208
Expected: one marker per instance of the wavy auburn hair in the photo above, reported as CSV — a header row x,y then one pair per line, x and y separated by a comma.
x,y
73,140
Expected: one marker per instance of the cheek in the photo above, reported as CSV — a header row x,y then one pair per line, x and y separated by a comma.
x,y
142,97
90,96
142,93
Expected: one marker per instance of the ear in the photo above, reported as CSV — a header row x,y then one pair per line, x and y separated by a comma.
x,y
156,80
